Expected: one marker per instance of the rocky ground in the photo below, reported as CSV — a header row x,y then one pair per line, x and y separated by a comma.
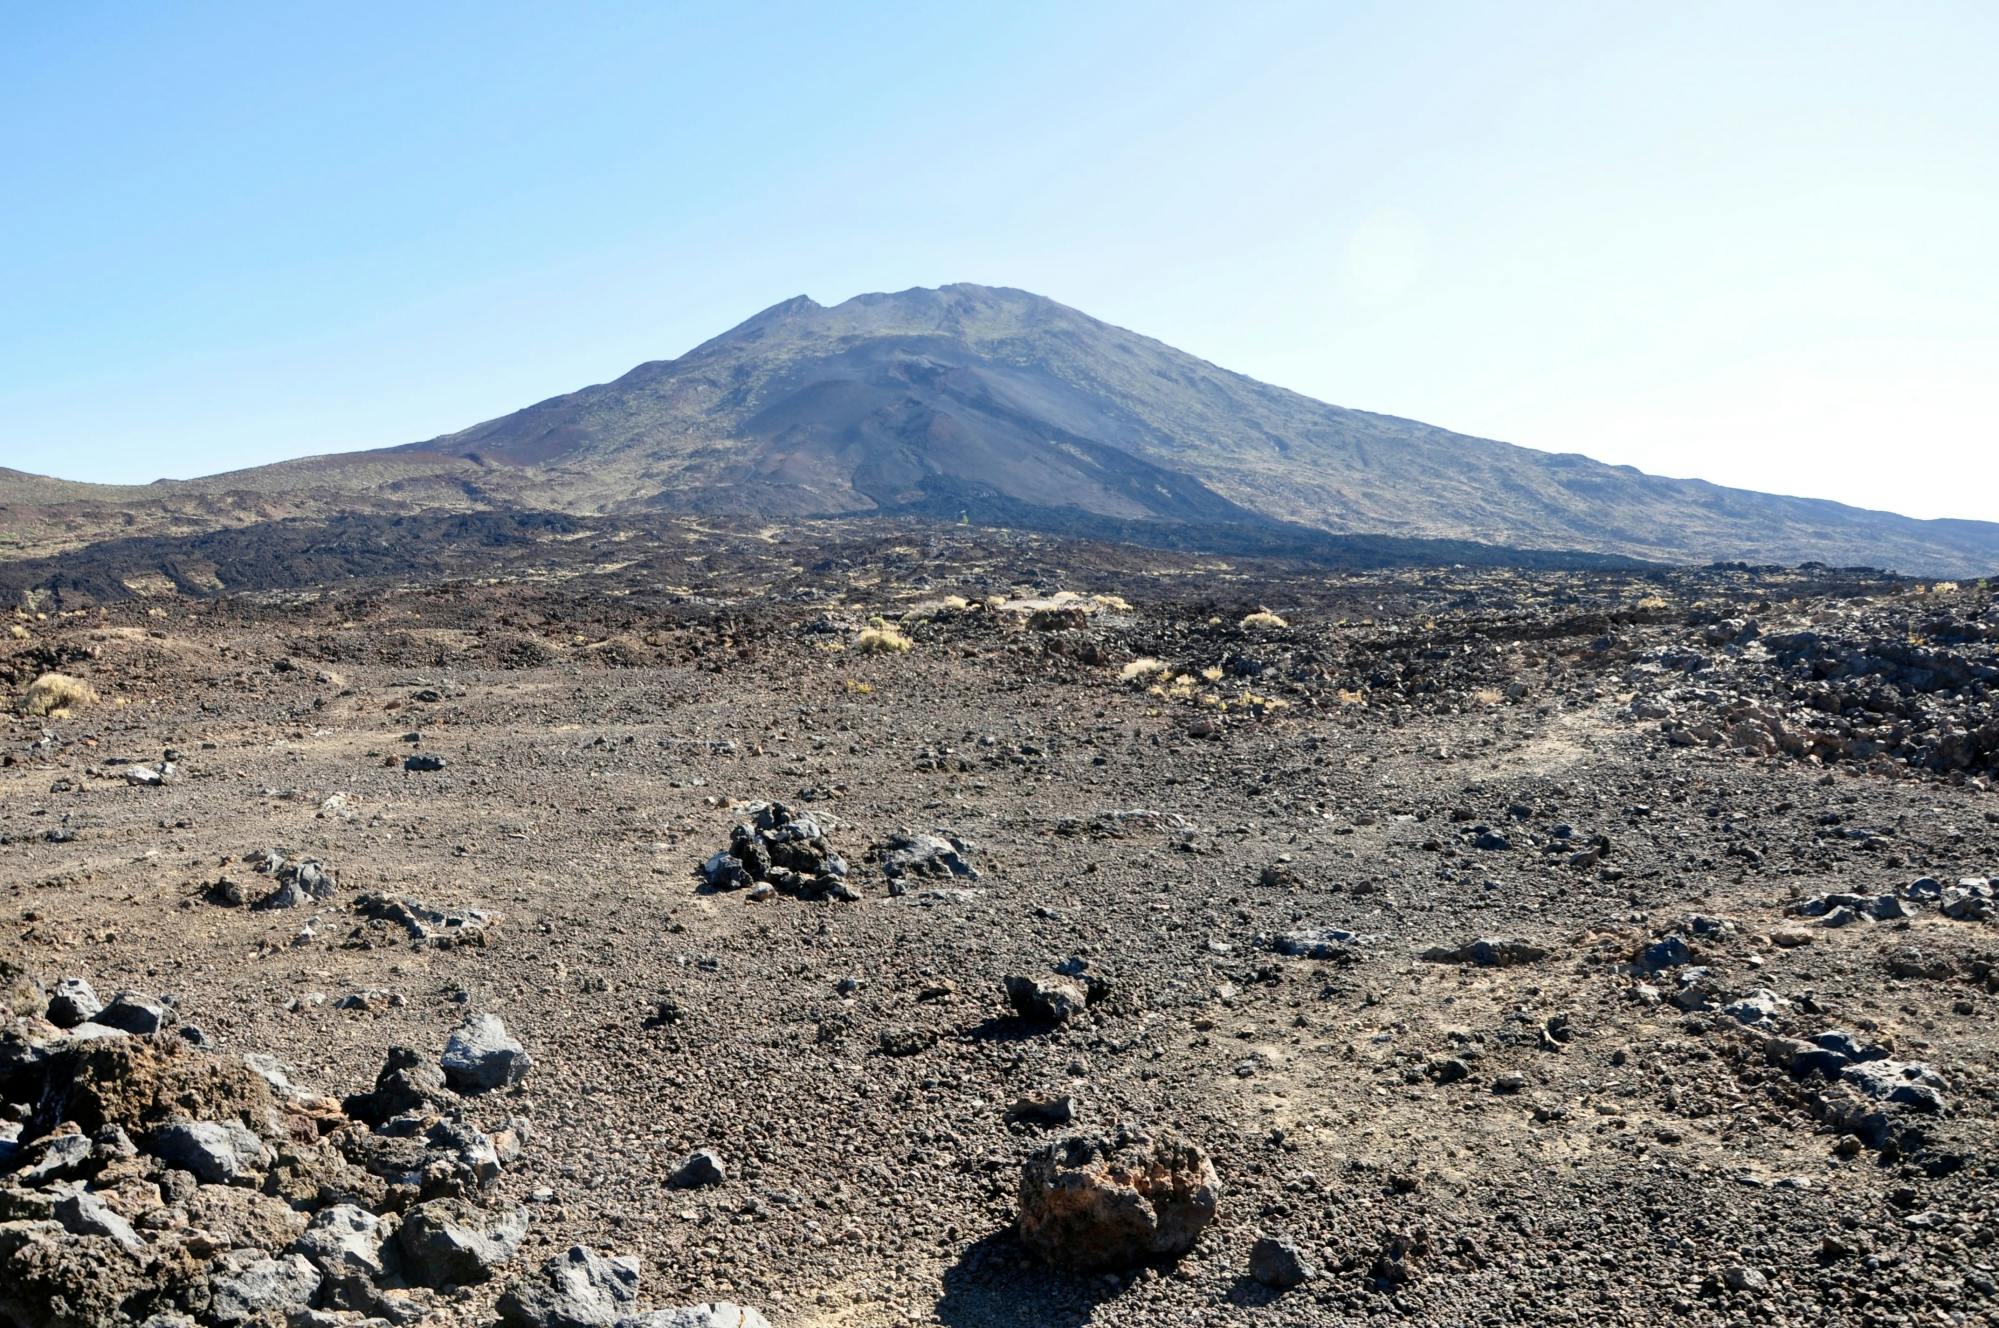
x,y
875,935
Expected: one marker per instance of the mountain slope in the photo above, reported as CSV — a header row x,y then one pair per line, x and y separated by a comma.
x,y
1003,406
934,400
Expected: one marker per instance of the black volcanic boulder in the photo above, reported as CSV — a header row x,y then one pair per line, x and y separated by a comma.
x,y
1094,1203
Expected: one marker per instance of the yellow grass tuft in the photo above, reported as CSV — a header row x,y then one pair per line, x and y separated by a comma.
x,y
881,639
1140,668
54,695
18,632
1264,618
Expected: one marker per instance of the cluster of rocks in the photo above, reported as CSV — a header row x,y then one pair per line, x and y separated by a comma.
x,y
912,860
1860,1089
779,851
1487,952
1908,684
144,1179
425,926
580,1288
1855,1087
1972,899
295,881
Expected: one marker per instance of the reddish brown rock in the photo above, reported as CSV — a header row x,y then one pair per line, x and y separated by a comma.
x,y
1090,1204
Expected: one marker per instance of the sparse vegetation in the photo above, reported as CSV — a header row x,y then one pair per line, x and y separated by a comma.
x,y
878,638
54,695
1140,669
1263,619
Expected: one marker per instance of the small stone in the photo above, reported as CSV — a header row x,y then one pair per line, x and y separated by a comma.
x,y
1046,1000
423,762
1279,1263
701,1170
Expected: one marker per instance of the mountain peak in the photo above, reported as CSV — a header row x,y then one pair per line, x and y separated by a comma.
x,y
997,404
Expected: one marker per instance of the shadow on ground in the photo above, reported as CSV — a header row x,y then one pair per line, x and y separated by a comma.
x,y
997,1282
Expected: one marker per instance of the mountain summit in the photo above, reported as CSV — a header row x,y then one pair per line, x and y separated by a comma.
x,y
1000,406
1006,406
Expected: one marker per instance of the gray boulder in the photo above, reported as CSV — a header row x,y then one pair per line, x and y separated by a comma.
x,y
345,1243
448,1242
72,1003
84,1214
130,1012
302,882
1046,1000
249,1285
53,1158
480,1056
1664,953
217,1152
909,858
720,1314
1279,1264
578,1289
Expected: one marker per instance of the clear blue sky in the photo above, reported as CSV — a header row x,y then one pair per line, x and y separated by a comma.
x,y
1753,242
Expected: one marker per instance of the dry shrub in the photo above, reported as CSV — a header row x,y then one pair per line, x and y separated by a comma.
x,y
881,639
1263,618
18,632
54,695
1489,696
1140,668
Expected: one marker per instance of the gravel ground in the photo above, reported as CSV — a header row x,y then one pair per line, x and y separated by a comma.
x,y
1418,759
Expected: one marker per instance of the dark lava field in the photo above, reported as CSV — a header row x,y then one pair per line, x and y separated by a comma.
x,y
902,924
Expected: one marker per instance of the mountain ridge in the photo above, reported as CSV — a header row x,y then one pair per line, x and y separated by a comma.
x,y
990,402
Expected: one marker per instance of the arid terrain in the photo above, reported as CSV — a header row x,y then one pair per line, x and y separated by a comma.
x,y
1541,947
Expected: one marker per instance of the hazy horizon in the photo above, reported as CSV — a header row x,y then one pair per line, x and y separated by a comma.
x,y
1707,243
